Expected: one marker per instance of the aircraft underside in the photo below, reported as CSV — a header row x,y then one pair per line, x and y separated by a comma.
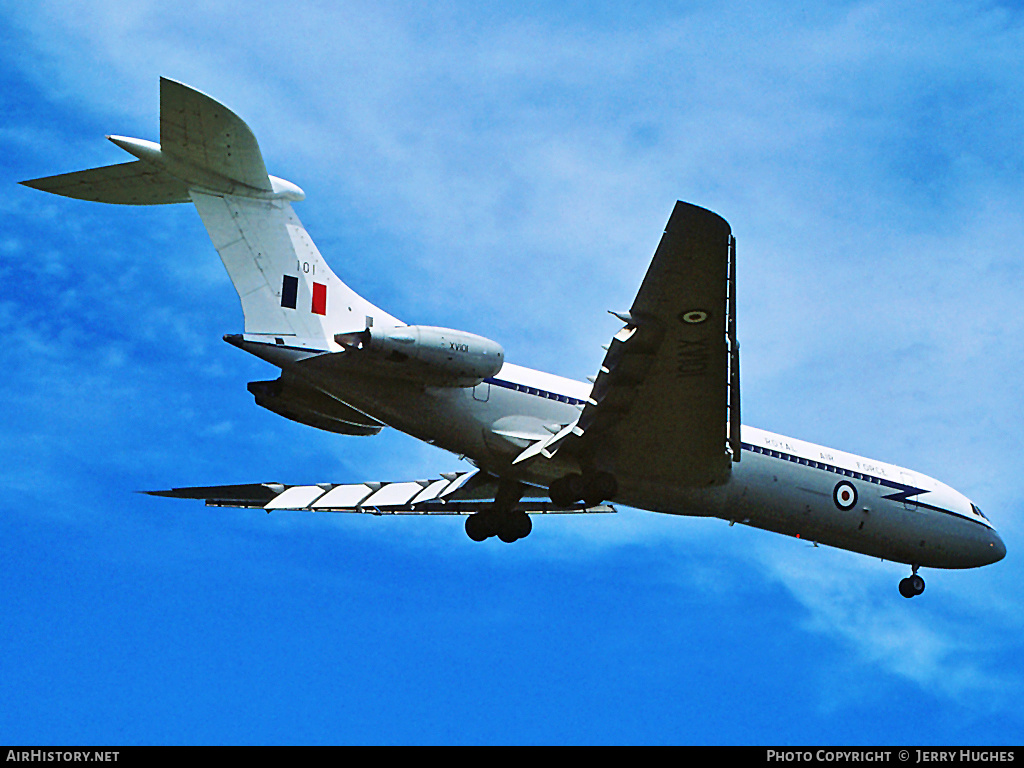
x,y
657,428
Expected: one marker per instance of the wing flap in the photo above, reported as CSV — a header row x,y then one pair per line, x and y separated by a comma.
x,y
344,497
462,493
296,497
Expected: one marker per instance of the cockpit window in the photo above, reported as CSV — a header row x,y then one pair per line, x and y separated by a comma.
x,y
978,512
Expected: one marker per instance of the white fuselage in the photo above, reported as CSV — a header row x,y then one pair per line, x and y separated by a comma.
x,y
781,484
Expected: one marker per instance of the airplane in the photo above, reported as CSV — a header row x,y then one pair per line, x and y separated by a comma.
x,y
657,428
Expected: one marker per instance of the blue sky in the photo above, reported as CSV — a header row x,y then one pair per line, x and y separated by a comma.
x,y
509,172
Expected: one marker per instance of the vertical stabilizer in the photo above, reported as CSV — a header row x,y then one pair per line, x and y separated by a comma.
x,y
285,286
207,154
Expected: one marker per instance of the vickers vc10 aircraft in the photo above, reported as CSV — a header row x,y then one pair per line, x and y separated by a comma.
x,y
657,428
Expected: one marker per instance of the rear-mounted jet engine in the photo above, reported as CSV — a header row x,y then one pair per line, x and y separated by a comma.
x,y
435,356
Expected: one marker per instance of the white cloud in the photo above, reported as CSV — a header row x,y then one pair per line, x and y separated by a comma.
x,y
932,641
511,175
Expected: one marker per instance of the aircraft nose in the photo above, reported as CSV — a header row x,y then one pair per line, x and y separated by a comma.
x,y
997,549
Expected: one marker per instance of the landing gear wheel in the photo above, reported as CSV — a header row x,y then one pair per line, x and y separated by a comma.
x,y
598,487
912,586
508,527
591,489
478,527
515,526
522,524
917,584
566,491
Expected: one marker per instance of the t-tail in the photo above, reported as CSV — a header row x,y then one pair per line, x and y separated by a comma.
x,y
209,156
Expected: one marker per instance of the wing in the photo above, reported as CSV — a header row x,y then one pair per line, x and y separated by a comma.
x,y
461,493
659,409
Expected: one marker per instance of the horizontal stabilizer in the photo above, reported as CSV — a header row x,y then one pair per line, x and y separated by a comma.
x,y
134,183
201,132
462,493
203,146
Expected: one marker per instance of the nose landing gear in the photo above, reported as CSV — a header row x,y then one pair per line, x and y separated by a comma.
x,y
913,585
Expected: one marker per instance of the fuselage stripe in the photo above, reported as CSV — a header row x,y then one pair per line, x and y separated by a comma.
x,y
904,492
827,467
535,391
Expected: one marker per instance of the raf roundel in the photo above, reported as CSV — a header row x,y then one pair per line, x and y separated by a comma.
x,y
693,317
844,495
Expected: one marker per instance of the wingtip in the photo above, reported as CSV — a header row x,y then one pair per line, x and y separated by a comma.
x,y
41,185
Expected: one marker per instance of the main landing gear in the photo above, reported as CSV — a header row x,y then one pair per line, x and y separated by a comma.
x,y
591,488
501,518
913,585
508,526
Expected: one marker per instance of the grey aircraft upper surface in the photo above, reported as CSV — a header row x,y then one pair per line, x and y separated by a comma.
x,y
657,428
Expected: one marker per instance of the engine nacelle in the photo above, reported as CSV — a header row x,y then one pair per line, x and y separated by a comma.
x,y
295,400
435,356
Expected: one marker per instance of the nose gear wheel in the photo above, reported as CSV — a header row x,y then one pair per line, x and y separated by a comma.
x,y
913,585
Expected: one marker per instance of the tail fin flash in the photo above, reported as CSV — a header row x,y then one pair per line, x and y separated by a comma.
x,y
285,286
207,154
